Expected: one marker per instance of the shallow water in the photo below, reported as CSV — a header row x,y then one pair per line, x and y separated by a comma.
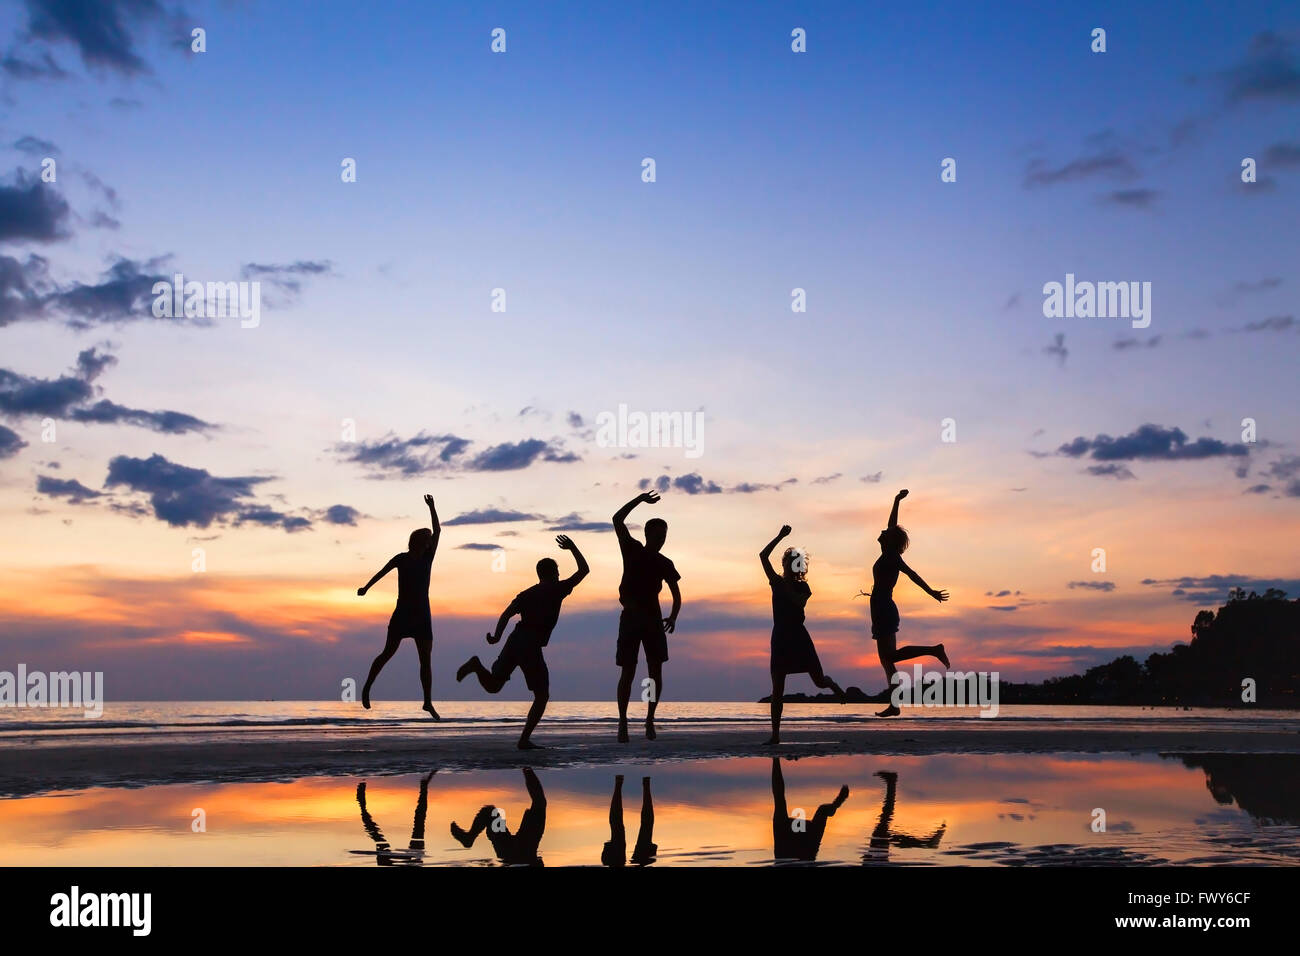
x,y
1012,809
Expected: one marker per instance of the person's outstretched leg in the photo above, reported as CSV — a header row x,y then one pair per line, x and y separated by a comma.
x,y
491,683
821,679
778,705
425,650
390,648
916,650
656,671
624,695
534,715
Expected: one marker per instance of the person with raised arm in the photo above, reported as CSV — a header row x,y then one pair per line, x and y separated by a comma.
x,y
641,624
884,612
539,610
792,646
411,617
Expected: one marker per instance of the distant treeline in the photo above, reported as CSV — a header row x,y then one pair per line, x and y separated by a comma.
x,y
1255,636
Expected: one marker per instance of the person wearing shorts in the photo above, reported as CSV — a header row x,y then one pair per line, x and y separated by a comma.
x,y
539,610
642,624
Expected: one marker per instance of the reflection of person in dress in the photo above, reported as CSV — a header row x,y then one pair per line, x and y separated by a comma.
x,y
797,837
411,615
884,612
883,836
792,647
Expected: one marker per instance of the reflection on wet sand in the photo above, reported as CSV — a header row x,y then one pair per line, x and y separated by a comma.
x,y
512,849
385,855
614,852
883,836
796,837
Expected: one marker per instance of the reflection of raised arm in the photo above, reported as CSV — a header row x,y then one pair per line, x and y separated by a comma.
x,y
620,516
766,554
566,544
535,791
392,563
511,610
437,528
940,596
893,515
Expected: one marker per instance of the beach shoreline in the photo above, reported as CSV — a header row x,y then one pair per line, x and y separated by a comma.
x,y
32,764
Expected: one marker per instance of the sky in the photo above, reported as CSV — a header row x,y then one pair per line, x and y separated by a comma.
x,y
190,504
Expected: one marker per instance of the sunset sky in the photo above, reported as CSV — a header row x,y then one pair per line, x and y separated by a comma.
x,y
522,171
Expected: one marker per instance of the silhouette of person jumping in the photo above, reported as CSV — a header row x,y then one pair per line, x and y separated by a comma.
x,y
884,612
385,855
411,615
539,609
614,853
797,837
512,849
645,570
883,836
792,647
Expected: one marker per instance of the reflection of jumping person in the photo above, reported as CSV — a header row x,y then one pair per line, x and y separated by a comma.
x,y
792,646
883,836
798,838
884,612
645,569
411,615
614,853
538,609
385,855
512,849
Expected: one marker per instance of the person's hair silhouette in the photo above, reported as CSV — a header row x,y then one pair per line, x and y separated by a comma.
x,y
539,609
645,570
411,616
614,853
883,836
385,855
797,837
512,849
884,612
792,646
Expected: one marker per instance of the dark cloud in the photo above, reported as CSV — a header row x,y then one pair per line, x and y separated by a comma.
x,y
1283,154
91,363
1150,443
193,497
124,293
1120,472
872,479
1214,588
1110,165
42,68
407,456
1270,71
511,456
575,522
287,278
575,420
35,146
1276,323
1258,490
1057,349
1133,198
696,484
1107,586
22,285
477,546
827,479
70,489
340,514
662,483
105,412
32,211
750,487
22,395
10,442
102,31
1133,343
491,516
1287,470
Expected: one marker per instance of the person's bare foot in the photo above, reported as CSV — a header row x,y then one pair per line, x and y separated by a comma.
x,y
528,745
462,836
365,697
890,711
428,708
943,656
649,730
464,670
622,731
772,741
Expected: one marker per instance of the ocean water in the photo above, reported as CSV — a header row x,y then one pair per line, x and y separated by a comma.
x,y
231,719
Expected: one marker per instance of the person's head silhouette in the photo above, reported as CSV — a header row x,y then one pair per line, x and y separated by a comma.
x,y
548,570
656,533
419,540
893,540
794,564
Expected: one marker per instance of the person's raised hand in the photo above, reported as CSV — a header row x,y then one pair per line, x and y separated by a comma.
x,y
785,531
564,541
361,592
941,596
901,495
650,497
